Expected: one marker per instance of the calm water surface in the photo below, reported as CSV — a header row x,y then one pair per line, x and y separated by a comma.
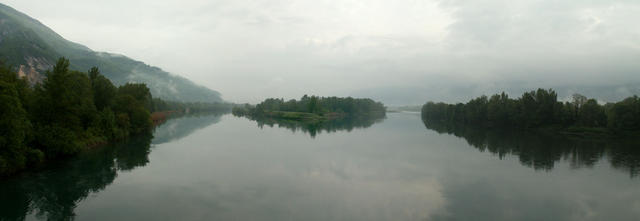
x,y
227,168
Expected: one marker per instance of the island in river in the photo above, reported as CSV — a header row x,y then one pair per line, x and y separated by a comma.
x,y
312,109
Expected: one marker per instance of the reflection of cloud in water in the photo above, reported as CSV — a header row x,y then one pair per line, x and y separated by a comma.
x,y
508,195
376,192
254,174
181,126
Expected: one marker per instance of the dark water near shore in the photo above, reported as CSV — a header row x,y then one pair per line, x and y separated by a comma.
x,y
220,167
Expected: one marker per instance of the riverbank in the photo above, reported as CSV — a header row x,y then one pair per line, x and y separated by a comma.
x,y
302,116
158,118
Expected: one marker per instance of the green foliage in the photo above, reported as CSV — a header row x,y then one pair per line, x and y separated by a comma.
x,y
535,109
140,120
57,141
316,105
138,91
138,117
107,125
68,111
591,114
64,99
104,92
14,127
625,115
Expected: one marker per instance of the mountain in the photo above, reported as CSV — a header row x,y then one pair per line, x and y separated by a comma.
x,y
32,48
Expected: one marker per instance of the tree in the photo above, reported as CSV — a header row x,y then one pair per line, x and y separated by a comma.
x,y
103,90
538,108
591,114
14,127
625,115
65,99
64,110
140,92
136,118
578,100
316,105
312,106
498,109
476,110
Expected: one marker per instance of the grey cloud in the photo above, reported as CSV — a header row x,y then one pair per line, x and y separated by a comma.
x,y
403,52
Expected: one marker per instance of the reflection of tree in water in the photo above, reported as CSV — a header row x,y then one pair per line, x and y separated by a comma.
x,y
314,128
54,193
542,150
626,156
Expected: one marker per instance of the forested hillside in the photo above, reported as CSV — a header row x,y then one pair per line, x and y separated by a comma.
x,y
32,48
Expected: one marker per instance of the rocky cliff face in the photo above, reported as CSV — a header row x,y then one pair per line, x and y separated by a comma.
x,y
34,69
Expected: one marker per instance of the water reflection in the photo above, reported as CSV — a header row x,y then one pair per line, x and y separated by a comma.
x,y
315,128
393,171
183,125
54,193
542,151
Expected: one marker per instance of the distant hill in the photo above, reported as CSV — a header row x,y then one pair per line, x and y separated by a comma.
x,y
32,48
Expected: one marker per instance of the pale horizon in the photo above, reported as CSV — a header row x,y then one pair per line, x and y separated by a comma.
x,y
401,52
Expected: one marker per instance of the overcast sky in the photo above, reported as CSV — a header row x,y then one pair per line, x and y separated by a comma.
x,y
401,52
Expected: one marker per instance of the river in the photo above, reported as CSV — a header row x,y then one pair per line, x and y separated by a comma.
x,y
221,167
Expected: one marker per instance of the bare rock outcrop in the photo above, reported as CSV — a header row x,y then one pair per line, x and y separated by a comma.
x,y
34,70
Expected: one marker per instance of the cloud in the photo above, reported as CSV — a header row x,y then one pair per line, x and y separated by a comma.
x,y
399,51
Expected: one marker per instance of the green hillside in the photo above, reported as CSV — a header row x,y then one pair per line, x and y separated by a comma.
x,y
32,48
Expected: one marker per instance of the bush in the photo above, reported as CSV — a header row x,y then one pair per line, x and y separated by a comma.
x,y
57,141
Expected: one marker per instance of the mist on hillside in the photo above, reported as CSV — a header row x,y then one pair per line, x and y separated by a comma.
x,y
399,52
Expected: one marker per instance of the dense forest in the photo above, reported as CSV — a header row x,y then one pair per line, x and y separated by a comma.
x,y
313,106
68,111
538,109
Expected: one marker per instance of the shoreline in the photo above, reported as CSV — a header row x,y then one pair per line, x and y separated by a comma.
x,y
158,118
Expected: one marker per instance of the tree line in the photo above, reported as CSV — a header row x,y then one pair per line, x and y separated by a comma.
x,y
316,105
67,111
535,109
